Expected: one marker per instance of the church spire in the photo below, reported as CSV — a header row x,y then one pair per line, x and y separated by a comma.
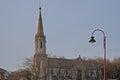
x,y
40,25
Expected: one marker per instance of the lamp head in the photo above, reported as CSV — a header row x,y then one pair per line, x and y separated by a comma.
x,y
92,40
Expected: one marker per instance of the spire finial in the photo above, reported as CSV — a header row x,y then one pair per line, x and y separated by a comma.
x,y
40,8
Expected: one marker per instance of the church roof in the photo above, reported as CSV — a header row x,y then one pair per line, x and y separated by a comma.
x,y
65,63
91,64
59,63
77,63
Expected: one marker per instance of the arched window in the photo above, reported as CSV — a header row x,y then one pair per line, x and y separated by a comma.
x,y
41,44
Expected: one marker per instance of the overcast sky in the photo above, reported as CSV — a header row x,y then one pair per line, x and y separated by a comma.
x,y
68,25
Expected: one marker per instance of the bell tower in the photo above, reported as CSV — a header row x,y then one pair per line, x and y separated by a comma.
x,y
40,41
39,71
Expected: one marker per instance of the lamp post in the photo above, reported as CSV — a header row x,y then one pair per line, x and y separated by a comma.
x,y
92,40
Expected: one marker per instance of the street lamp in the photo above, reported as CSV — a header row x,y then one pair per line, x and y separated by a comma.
x,y
92,40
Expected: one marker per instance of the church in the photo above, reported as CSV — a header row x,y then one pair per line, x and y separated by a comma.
x,y
46,68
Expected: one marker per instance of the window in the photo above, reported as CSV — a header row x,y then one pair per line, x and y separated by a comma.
x,y
40,44
0,76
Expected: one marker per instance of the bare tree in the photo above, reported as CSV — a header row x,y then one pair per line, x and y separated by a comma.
x,y
116,62
28,63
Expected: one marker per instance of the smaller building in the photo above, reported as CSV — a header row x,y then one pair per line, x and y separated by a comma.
x,y
3,74
22,74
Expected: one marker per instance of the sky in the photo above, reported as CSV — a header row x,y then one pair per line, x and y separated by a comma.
x,y
68,25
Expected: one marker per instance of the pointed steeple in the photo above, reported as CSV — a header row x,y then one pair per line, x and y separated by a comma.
x,y
40,25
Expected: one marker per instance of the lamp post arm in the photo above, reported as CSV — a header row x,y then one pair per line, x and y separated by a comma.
x,y
98,30
104,37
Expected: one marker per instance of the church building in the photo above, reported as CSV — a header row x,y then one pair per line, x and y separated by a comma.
x,y
46,68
